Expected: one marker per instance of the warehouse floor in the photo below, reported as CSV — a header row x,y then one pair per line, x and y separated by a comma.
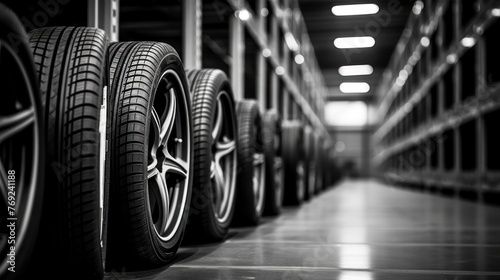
x,y
358,230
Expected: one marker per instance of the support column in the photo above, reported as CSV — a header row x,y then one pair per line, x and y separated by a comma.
x,y
192,34
104,14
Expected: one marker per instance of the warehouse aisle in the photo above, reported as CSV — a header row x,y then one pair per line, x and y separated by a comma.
x,y
358,230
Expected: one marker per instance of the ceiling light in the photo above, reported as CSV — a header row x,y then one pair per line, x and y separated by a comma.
x,y
354,42
264,12
403,74
266,52
468,42
280,70
299,59
451,58
425,42
354,10
495,12
243,14
356,70
291,42
417,8
354,87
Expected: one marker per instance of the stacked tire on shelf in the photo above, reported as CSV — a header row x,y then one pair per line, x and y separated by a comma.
x,y
70,62
151,154
293,158
123,153
22,155
215,152
251,165
309,163
274,175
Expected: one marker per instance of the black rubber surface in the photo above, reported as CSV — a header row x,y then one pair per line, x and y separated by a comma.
x,y
19,91
206,84
309,163
70,63
272,142
293,159
250,143
135,69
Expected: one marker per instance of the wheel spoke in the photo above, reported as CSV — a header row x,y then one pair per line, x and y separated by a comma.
x,y
217,175
175,166
258,159
10,125
163,200
156,127
169,121
218,122
255,183
224,148
278,163
152,171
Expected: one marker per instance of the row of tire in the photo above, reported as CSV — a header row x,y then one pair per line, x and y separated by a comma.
x,y
117,153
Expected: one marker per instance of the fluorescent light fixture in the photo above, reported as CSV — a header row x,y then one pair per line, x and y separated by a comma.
x,y
280,70
418,7
355,10
244,14
266,52
354,42
425,42
291,42
400,82
264,12
299,59
403,74
409,69
451,58
495,12
354,87
339,146
346,113
356,70
468,42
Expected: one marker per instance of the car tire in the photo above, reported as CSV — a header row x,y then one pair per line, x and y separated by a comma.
x,y
70,64
309,163
293,158
151,154
274,163
215,155
251,165
22,139
319,163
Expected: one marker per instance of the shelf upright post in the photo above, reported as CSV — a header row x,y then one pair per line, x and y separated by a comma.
x,y
237,46
192,33
261,62
104,14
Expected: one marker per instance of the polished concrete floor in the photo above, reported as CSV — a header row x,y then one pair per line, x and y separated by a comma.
x,y
359,230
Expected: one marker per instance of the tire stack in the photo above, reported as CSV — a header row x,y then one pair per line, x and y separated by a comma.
x,y
125,154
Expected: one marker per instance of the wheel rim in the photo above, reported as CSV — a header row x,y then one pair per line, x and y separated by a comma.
x,y
169,153
278,179
258,180
19,150
223,163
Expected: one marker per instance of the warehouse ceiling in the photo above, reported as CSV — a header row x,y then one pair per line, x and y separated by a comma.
x,y
323,27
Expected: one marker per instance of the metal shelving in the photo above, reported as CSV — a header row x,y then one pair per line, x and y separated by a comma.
x,y
209,33
440,98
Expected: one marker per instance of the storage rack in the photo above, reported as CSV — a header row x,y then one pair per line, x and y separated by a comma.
x,y
211,35
440,99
